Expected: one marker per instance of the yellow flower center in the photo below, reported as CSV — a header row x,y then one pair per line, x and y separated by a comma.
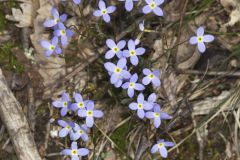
x,y
160,145
140,106
74,152
115,49
57,20
68,127
81,105
89,113
200,39
132,53
151,76
104,11
80,131
131,85
118,70
65,104
156,114
52,47
152,5
62,32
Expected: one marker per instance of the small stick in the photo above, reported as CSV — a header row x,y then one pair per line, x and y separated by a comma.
x,y
211,73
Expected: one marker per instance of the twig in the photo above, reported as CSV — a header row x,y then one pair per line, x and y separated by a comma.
x,y
211,73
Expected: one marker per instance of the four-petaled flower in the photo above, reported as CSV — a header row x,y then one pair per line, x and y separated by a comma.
x,y
200,39
80,103
79,132
140,106
104,11
67,128
157,115
64,104
64,33
89,113
117,71
51,47
132,85
153,5
75,152
161,146
116,49
56,19
133,52
151,77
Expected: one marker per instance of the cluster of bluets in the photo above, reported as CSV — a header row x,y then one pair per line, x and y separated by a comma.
x,y
84,109
119,73
60,32
121,77
151,6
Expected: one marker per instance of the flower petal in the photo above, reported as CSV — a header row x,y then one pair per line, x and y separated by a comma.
x,y
110,54
97,13
139,87
83,151
140,51
134,60
158,11
102,4
208,38
122,63
133,106
154,148
131,45
201,47
111,9
140,113
129,5
89,121
149,115
98,113
146,80
110,43
200,31
106,18
130,92
193,40
146,9
121,44
163,152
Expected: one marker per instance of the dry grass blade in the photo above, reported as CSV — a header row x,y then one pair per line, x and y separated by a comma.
x,y
231,101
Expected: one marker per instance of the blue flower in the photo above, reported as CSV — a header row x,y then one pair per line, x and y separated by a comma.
x,y
129,4
104,12
64,104
132,85
77,1
67,128
56,19
75,152
133,52
80,103
157,115
116,49
51,47
161,147
151,77
89,113
153,6
140,106
200,39
79,132
64,33
118,71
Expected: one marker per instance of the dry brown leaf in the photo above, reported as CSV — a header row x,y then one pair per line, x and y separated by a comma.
x,y
24,15
233,7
